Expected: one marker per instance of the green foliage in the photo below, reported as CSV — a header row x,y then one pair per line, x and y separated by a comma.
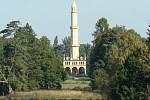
x,y
100,79
148,33
119,56
85,50
55,41
67,44
102,25
27,63
64,48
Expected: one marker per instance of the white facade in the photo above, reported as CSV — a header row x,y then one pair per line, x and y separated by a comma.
x,y
75,64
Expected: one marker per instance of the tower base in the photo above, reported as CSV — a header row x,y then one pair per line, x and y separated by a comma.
x,y
75,67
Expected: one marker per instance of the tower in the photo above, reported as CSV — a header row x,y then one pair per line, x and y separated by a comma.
x,y
74,32
74,65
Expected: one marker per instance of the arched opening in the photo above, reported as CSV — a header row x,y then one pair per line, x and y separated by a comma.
x,y
81,71
74,71
68,71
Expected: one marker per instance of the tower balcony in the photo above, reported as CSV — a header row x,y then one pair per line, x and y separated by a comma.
x,y
74,62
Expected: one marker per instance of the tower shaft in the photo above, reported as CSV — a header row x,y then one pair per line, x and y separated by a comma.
x,y
74,32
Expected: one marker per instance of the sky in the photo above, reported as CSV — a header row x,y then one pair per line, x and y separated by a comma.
x,y
52,17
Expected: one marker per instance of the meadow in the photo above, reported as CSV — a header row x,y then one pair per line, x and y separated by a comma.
x,y
53,95
72,89
76,82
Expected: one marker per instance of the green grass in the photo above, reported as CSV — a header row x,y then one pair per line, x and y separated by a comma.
x,y
2,97
53,95
76,82
68,92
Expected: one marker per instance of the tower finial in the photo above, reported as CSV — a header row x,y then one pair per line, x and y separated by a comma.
x,y
74,4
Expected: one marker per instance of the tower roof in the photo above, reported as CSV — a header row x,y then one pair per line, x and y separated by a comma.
x,y
74,5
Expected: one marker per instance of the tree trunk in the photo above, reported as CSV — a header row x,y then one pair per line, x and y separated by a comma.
x,y
10,89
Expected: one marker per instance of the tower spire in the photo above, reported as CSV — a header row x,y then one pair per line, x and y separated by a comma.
x,y
74,4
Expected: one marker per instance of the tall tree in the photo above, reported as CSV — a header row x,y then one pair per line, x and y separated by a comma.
x,y
8,60
101,26
51,66
67,44
148,33
55,41
116,62
26,62
85,50
58,48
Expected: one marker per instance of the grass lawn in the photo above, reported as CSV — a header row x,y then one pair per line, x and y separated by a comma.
x,y
75,82
53,95
2,97
67,92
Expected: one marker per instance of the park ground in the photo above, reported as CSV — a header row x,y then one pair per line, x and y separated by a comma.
x,y
75,88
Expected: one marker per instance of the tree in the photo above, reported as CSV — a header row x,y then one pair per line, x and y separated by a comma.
x,y
55,41
58,48
101,26
26,62
9,52
117,61
148,33
85,50
66,45
132,81
51,66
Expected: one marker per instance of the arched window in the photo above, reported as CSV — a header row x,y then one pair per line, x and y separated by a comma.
x,y
74,71
68,70
81,71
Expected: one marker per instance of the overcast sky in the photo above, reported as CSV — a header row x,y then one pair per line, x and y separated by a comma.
x,y
52,17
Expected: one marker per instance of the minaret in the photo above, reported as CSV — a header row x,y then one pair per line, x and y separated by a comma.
x,y
74,32
74,65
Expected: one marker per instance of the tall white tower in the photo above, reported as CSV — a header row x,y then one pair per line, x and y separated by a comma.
x,y
74,32
74,66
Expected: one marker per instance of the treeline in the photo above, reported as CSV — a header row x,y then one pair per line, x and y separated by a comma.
x,y
63,49
120,63
27,62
